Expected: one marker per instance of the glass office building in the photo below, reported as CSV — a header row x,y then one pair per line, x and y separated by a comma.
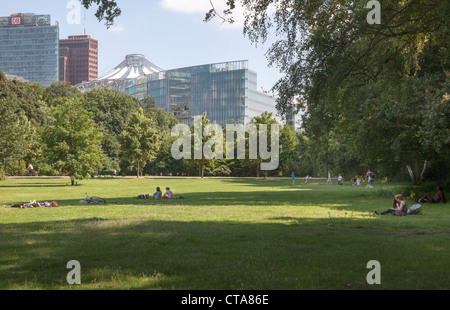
x,y
225,91
29,48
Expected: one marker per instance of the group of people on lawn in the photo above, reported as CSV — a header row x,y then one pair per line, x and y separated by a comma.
x,y
158,194
400,207
167,195
356,181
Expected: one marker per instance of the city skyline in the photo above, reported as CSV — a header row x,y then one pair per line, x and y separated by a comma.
x,y
168,32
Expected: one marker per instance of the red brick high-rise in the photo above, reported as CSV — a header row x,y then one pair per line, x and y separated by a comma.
x,y
78,59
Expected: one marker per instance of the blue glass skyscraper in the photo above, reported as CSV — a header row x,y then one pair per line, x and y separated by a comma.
x,y
29,48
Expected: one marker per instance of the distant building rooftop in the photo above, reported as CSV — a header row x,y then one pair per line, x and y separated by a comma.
x,y
133,66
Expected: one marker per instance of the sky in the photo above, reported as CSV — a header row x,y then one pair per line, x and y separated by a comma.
x,y
169,33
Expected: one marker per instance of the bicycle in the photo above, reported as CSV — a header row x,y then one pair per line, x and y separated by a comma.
x,y
92,199
31,173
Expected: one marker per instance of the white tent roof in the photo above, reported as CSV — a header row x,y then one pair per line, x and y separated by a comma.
x,y
133,66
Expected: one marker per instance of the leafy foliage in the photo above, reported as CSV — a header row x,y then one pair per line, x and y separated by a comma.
x,y
107,10
72,141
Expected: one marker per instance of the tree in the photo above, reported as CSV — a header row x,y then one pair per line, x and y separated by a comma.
x,y
164,162
358,78
107,10
18,139
288,148
60,90
198,145
22,114
111,111
139,140
264,119
164,121
26,97
72,140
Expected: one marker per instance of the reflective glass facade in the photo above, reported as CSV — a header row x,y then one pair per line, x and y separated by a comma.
x,y
29,48
225,91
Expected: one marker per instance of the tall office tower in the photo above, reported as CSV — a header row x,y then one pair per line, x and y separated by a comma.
x,y
78,59
29,47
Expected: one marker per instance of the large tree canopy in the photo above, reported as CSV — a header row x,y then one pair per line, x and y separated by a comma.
x,y
382,87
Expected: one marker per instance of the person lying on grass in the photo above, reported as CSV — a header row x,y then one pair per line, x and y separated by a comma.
x,y
32,204
399,207
142,196
436,198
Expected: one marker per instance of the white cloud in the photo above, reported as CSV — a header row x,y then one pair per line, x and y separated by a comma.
x,y
186,6
201,7
117,28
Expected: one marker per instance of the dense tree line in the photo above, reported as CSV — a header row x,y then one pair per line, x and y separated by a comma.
x,y
63,131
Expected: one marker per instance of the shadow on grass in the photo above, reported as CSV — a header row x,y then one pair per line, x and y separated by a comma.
x,y
155,254
45,184
297,197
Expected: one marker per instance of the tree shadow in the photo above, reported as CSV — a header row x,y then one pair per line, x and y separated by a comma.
x,y
25,185
249,199
155,254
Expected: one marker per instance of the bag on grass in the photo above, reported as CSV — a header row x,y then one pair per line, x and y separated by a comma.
x,y
415,209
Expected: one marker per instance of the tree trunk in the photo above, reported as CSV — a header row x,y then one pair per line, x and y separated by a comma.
x,y
72,181
417,174
423,171
411,174
203,168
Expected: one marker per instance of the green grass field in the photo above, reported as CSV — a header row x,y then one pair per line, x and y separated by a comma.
x,y
225,234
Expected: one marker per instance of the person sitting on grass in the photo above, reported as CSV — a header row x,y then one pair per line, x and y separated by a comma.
x,y
168,194
157,194
436,198
399,207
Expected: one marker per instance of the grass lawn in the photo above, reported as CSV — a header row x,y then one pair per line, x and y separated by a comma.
x,y
225,234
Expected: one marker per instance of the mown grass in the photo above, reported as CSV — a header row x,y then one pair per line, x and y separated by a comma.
x,y
225,234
